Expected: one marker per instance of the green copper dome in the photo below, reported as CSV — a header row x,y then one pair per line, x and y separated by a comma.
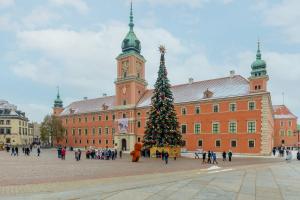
x,y
259,66
131,42
58,103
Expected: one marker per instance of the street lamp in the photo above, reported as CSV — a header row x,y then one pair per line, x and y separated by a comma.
x,y
297,132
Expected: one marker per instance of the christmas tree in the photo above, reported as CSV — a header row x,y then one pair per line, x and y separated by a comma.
x,y
162,126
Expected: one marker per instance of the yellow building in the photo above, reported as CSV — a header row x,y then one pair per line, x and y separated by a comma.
x,y
14,126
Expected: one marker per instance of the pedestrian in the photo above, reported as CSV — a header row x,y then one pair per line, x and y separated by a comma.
x,y
209,157
116,153
229,155
166,157
120,153
17,150
274,151
63,154
224,156
203,157
214,155
38,151
79,154
76,155
298,155
12,151
162,154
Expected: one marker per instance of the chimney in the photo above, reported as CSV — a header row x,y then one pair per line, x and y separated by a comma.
x,y
104,94
85,98
232,73
191,80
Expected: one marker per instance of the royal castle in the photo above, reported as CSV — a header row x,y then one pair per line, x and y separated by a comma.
x,y
229,113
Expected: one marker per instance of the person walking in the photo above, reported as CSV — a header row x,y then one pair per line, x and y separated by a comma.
x,y
79,154
229,155
224,156
166,157
214,155
120,153
17,150
12,151
38,151
209,157
63,154
203,157
274,151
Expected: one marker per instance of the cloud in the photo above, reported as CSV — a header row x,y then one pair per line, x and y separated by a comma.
x,y
6,3
33,111
79,5
188,3
284,15
7,24
39,17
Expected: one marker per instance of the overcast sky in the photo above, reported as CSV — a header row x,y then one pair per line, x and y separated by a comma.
x,y
74,43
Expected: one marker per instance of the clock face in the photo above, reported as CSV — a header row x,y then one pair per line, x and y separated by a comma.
x,y
124,90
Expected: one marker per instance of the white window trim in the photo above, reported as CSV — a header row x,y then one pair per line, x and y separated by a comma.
x,y
253,141
249,105
235,143
213,108
216,143
195,128
230,107
196,110
236,126
186,128
248,126
212,127
183,108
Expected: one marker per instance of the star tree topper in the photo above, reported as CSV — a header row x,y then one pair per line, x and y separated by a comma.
x,y
162,49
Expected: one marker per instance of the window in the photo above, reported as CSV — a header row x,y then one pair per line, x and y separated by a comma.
x,y
106,130
139,114
233,143
215,127
139,124
251,143
139,139
113,130
93,141
197,128
200,143
99,141
124,115
73,120
251,105
124,102
99,130
75,141
290,123
1,122
66,141
79,131
99,117
183,128
183,111
281,123
289,133
93,118
106,141
93,130
251,127
66,120
85,131
216,108
85,119
232,107
197,109
184,143
218,143
73,131
232,127
79,119
7,122
113,116
20,130
106,117
87,141
282,133
79,141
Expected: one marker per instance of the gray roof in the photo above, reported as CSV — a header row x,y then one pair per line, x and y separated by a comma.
x,y
89,105
220,88
10,110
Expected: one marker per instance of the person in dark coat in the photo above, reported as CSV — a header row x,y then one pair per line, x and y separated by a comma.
x,y
229,156
166,157
203,157
224,156
209,157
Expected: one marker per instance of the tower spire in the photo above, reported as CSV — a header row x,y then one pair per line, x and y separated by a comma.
x,y
131,24
58,96
258,54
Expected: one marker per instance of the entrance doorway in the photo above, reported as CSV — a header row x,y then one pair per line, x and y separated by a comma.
x,y
124,145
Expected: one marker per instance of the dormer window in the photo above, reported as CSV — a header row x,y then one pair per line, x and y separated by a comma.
x,y
104,106
124,102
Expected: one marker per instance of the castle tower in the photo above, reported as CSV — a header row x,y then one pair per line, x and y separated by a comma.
x,y
259,77
130,83
58,105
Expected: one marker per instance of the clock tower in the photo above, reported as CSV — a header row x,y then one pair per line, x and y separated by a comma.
x,y
130,83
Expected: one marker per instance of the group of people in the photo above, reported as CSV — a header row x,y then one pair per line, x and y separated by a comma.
x,y
164,155
103,154
25,149
212,157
